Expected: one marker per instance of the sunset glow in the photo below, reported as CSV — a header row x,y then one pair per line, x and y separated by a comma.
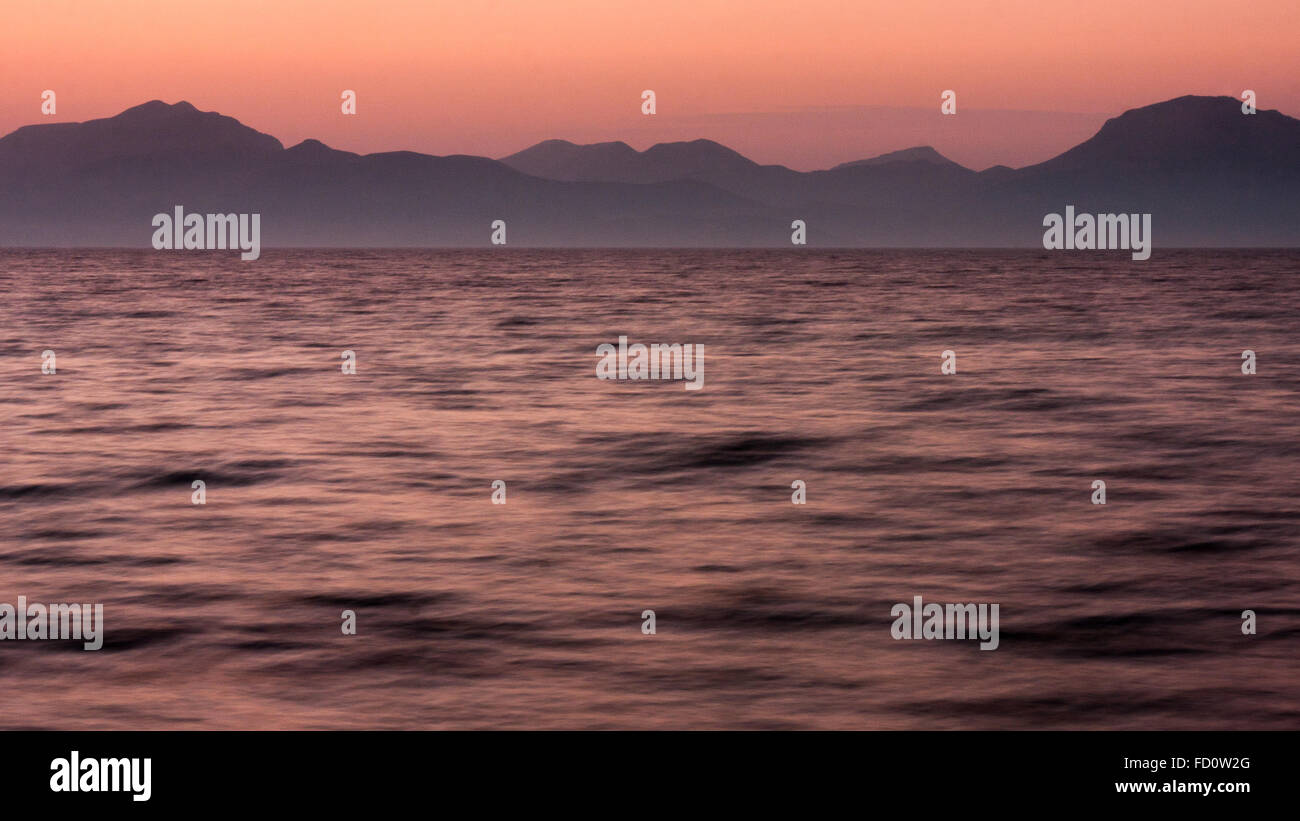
x,y
492,78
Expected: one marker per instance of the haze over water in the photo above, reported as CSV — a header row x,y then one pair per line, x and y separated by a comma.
x,y
371,492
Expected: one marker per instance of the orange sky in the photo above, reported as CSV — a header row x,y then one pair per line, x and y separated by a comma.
x,y
797,83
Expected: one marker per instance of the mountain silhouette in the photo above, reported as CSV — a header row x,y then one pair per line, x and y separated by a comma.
x,y
619,162
1189,133
922,153
1209,175
154,131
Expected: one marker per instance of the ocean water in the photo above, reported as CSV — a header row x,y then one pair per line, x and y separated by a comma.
x,y
372,492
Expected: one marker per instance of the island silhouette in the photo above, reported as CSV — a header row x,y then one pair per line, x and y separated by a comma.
x,y
1209,174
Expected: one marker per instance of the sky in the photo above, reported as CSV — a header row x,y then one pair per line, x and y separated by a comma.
x,y
806,84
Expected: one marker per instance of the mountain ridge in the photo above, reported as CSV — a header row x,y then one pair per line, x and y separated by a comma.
x,y
1209,173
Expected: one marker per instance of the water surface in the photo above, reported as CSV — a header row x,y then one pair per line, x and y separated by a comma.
x,y
371,492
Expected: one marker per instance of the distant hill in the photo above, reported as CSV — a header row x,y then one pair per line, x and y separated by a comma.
x,y
619,162
922,154
1208,174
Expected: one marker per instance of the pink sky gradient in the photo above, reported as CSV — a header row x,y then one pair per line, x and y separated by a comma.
x,y
807,84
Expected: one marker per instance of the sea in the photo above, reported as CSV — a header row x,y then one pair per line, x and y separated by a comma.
x,y
823,381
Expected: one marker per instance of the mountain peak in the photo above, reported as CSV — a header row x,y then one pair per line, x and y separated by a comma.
x,y
619,162
154,129
920,153
556,147
695,155
1190,132
564,160
158,108
315,151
